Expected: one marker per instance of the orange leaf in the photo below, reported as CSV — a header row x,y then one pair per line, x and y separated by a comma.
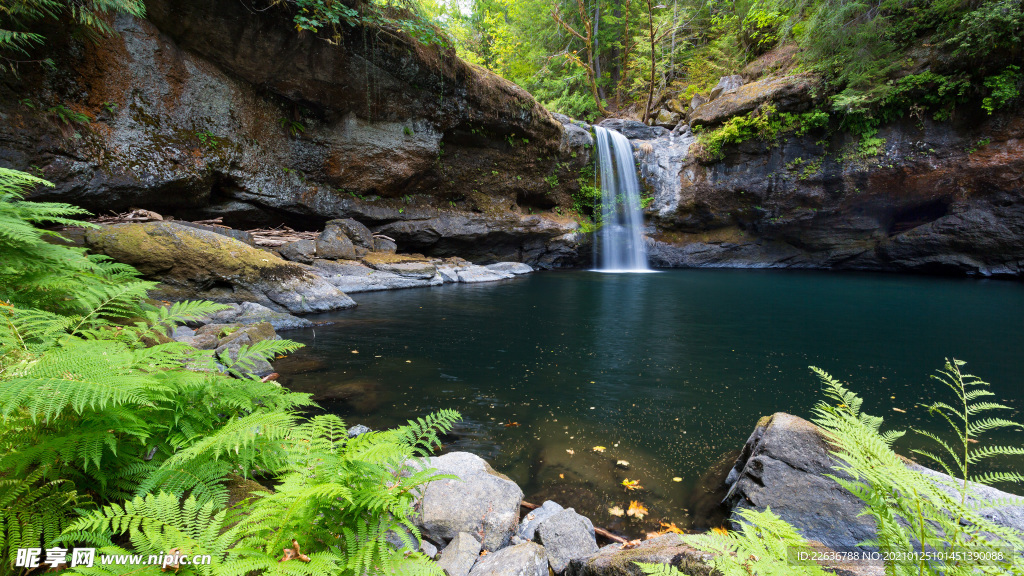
x,y
636,510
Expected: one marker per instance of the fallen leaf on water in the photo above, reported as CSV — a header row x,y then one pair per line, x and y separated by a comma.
x,y
670,528
623,463
900,410
632,484
355,351
598,448
637,510
511,424
562,476
616,511
571,452
677,479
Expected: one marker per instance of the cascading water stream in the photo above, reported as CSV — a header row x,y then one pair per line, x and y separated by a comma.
x,y
617,242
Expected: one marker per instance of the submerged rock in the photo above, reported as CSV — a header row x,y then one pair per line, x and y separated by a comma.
x,y
479,501
197,264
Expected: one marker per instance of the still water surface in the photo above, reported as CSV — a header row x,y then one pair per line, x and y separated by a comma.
x,y
668,372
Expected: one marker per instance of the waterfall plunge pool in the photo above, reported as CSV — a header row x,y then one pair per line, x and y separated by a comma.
x,y
668,372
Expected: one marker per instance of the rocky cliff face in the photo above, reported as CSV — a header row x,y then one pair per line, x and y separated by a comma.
x,y
938,198
220,108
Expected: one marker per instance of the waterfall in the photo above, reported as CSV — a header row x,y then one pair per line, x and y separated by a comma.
x,y
617,243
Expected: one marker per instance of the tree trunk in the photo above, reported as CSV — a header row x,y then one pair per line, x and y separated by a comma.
x,y
597,50
627,44
589,42
650,91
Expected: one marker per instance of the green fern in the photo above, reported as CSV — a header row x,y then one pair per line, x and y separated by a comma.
x,y
957,460
336,501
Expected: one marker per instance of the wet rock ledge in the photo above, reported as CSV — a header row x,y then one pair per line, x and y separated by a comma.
x,y
305,276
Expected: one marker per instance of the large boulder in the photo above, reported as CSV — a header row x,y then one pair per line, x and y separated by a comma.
x,y
528,527
197,264
334,244
789,94
359,234
479,501
667,119
615,560
784,466
726,84
567,536
526,559
299,251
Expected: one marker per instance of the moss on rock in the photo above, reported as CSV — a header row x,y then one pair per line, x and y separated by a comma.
x,y
194,263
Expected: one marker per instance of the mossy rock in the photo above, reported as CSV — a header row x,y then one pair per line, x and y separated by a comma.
x,y
194,263
667,549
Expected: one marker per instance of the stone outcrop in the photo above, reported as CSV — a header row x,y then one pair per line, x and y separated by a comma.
x,y
936,198
213,108
783,466
191,263
786,93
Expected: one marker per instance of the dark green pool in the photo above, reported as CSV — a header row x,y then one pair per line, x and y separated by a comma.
x,y
666,371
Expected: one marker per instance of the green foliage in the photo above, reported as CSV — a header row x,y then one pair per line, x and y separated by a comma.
x,y
68,116
294,127
761,26
957,459
329,16
17,17
1005,88
208,139
765,124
